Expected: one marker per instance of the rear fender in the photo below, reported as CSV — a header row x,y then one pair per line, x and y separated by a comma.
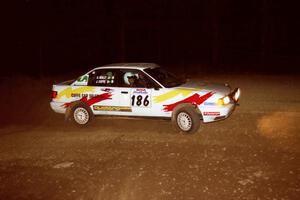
x,y
68,112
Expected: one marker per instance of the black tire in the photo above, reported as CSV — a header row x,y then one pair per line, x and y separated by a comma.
x,y
186,119
80,114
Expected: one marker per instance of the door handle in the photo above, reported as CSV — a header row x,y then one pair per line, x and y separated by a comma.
x,y
124,92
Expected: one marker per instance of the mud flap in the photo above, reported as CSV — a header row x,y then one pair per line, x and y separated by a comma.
x,y
67,114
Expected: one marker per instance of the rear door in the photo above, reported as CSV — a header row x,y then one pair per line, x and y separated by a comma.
x,y
105,97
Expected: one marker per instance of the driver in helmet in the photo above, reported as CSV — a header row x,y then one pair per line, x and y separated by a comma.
x,y
130,79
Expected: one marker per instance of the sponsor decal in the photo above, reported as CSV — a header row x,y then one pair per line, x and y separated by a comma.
x,y
211,113
107,90
172,94
140,91
195,99
112,108
91,101
84,78
83,95
69,91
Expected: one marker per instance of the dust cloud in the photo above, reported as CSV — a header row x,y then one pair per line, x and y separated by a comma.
x,y
279,124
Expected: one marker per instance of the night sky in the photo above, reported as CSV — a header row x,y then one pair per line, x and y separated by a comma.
x,y
226,36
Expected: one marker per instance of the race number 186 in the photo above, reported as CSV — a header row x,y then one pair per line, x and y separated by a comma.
x,y
140,100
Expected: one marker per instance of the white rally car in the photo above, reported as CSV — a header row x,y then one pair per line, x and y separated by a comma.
x,y
144,90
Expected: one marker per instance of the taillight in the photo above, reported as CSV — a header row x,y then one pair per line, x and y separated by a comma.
x,y
54,94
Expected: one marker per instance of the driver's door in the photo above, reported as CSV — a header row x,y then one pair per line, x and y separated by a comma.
x,y
140,94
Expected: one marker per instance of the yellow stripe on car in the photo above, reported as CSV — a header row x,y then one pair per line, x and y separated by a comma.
x,y
172,94
68,91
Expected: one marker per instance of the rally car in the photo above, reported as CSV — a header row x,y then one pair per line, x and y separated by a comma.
x,y
142,90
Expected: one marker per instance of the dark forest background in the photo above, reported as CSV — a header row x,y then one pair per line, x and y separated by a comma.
x,y
222,36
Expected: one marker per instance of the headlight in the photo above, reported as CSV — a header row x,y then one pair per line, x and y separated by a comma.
x,y
224,101
237,95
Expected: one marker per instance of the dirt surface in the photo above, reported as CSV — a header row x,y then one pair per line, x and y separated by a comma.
x,y
254,154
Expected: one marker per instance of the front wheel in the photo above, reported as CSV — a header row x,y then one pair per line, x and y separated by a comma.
x,y
186,119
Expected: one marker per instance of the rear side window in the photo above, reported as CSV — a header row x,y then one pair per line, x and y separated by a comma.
x,y
102,77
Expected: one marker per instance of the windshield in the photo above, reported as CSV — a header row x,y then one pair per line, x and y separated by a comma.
x,y
164,77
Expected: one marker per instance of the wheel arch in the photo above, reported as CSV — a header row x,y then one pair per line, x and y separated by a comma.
x,y
189,105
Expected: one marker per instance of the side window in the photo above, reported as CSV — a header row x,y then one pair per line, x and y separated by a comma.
x,y
128,78
102,77
136,79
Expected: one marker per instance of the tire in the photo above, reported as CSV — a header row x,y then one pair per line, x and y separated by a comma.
x,y
186,119
80,114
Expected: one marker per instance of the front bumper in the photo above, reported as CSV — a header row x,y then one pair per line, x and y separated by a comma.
x,y
219,112
216,113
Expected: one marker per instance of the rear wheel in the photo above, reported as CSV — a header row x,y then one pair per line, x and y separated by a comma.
x,y
80,114
186,119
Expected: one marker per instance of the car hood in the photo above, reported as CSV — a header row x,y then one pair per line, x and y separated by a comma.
x,y
221,89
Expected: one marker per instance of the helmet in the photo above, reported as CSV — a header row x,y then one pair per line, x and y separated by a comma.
x,y
128,75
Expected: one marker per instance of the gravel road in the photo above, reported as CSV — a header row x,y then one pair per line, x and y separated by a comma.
x,y
254,154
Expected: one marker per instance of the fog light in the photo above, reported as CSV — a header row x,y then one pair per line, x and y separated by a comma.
x,y
224,101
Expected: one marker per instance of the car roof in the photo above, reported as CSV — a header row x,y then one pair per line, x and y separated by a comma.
x,y
140,66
